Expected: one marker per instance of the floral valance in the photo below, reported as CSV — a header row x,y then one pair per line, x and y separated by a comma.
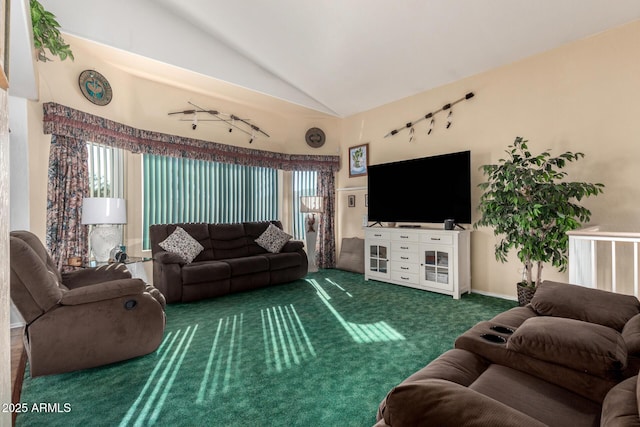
x,y
66,121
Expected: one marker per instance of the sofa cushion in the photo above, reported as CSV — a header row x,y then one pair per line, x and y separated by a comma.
x,y
181,243
620,406
442,403
248,265
552,404
587,304
228,241
205,271
631,335
273,239
586,347
283,260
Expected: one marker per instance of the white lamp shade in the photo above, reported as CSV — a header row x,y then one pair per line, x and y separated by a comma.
x,y
104,210
311,204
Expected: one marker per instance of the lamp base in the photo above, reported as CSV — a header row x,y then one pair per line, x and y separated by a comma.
x,y
311,251
103,238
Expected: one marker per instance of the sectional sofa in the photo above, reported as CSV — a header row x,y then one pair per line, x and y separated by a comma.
x,y
569,358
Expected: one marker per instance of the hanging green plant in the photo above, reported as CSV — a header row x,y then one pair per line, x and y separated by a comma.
x,y
46,33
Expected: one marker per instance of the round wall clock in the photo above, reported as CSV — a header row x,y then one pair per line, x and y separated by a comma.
x,y
95,87
315,137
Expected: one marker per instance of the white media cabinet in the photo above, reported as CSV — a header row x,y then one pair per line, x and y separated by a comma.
x,y
430,259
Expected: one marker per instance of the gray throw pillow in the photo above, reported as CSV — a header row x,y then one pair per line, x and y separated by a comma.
x,y
181,243
273,239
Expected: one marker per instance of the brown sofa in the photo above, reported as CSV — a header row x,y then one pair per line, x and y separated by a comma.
x,y
230,262
571,357
84,318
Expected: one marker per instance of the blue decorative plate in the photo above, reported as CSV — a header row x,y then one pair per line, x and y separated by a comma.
x,y
95,87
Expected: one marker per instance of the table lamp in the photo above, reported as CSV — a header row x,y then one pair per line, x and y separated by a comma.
x,y
104,213
311,205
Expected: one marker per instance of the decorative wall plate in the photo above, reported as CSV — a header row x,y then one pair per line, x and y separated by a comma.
x,y
315,137
95,87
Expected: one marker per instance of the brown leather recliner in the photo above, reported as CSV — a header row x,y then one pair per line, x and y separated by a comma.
x,y
81,319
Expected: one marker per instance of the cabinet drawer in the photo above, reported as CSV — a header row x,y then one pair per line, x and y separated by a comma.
x,y
405,236
440,239
404,267
377,234
404,247
406,257
401,276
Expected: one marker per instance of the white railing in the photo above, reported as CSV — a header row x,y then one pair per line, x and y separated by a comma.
x,y
592,265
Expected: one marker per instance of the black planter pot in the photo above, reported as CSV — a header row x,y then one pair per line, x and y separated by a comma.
x,y
525,293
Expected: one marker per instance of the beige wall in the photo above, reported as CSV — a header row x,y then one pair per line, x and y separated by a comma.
x,y
581,97
144,92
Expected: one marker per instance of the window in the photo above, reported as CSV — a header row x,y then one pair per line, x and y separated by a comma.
x,y
106,171
187,190
305,183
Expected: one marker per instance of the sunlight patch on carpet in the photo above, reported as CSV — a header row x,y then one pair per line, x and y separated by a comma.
x,y
360,332
286,342
154,401
227,344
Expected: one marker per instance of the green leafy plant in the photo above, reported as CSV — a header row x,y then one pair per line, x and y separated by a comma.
x,y
531,206
46,33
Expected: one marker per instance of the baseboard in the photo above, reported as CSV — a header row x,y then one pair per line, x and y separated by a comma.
x,y
492,294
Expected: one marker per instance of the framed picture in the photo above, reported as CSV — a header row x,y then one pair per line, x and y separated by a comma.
x,y
358,160
352,201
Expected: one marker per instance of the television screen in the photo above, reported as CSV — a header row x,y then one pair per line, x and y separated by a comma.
x,y
425,190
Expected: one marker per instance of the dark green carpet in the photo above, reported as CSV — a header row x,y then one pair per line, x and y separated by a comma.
x,y
316,352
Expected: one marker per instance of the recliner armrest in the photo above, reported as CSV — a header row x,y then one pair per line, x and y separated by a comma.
x,y
102,291
293,246
443,403
165,257
93,275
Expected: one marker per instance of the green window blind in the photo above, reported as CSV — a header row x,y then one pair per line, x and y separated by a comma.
x,y
305,183
188,190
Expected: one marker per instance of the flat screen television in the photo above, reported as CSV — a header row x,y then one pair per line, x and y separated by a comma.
x,y
426,190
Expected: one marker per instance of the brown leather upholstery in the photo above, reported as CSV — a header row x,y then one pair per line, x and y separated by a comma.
x,y
82,319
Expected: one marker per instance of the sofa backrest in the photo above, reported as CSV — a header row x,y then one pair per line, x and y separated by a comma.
x,y
586,304
220,241
35,282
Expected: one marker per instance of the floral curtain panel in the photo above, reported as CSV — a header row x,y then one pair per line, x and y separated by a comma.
x,y
326,244
68,184
69,127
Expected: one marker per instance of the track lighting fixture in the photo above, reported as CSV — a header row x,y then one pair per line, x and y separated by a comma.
x,y
231,120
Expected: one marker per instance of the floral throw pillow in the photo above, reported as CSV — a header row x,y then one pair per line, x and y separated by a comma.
x,y
273,239
180,242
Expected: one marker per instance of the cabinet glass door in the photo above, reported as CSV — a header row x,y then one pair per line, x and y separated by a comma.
x,y
436,266
378,261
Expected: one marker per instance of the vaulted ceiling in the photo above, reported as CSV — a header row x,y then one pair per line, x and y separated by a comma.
x,y
339,56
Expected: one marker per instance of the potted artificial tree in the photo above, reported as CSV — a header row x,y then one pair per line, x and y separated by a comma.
x,y
531,206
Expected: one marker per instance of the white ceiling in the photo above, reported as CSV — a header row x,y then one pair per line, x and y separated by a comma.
x,y
339,56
